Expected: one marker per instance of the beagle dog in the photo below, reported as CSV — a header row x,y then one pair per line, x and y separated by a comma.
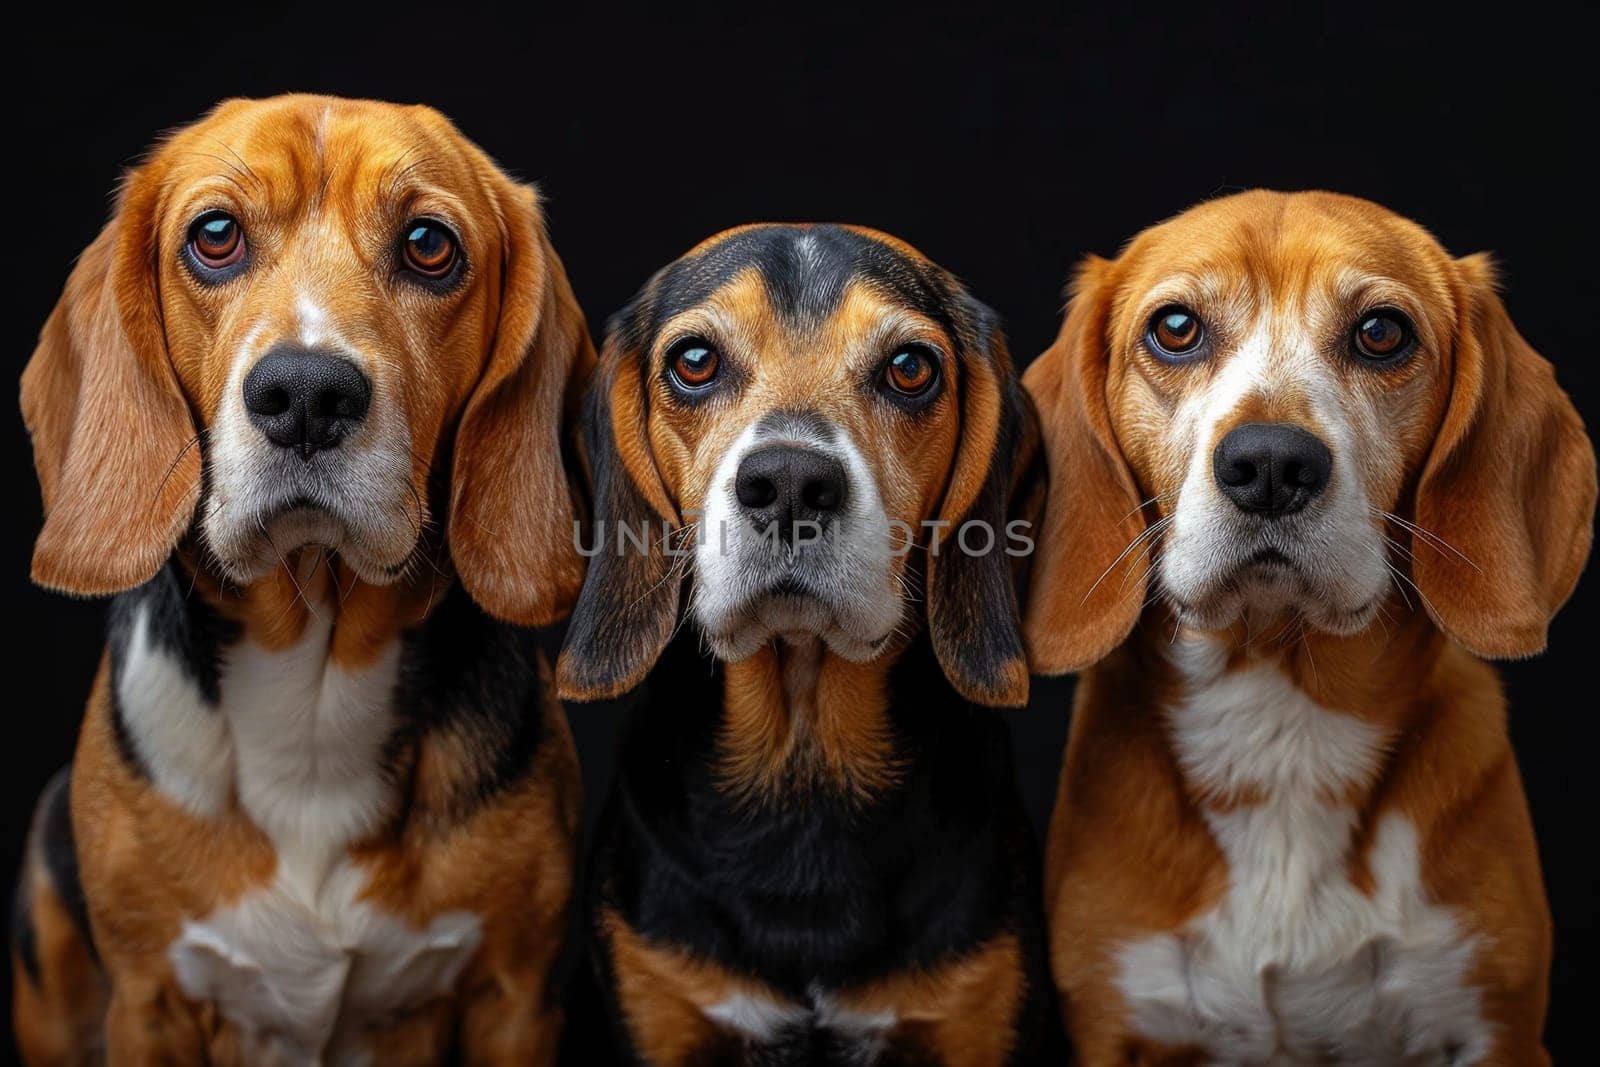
x,y
301,408
814,851
1304,474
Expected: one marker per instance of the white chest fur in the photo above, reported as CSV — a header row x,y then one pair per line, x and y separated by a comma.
x,y
860,1036
303,963
1296,964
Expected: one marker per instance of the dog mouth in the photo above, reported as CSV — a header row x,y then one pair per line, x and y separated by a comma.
x,y
379,553
1267,559
793,606
1268,581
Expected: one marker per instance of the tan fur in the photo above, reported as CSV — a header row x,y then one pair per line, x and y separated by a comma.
x,y
136,356
820,370
928,471
791,715
795,715
128,375
511,864
662,992
945,1015
101,376
59,1018
1487,455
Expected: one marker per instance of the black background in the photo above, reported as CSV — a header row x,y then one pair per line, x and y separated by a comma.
x,y
1003,145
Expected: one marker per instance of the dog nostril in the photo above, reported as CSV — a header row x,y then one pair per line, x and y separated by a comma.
x,y
270,402
337,403
756,491
1239,472
822,495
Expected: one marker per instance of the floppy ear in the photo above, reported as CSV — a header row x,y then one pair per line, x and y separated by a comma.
x,y
1078,610
1508,491
113,440
629,603
512,516
973,618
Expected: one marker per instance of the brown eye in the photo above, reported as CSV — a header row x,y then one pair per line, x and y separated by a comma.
x,y
911,371
693,363
216,240
429,248
1175,331
1383,334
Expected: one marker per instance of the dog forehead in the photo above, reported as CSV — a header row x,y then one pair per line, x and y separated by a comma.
x,y
290,151
804,272
1286,248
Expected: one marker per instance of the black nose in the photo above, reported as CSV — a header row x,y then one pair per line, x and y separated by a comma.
x,y
305,400
1271,468
784,484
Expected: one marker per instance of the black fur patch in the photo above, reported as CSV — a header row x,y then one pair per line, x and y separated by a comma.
x,y
461,672
23,936
466,674
822,889
975,618
805,270
183,625
629,602
58,850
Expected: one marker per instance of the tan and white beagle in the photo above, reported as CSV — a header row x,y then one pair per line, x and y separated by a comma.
x,y
301,405
1304,474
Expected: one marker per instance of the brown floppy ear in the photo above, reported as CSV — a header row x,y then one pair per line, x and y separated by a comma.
x,y
629,604
1508,491
1080,606
973,618
113,440
512,523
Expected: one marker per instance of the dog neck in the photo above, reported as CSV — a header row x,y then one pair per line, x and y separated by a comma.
x,y
1219,700
795,715
1375,674
321,707
312,585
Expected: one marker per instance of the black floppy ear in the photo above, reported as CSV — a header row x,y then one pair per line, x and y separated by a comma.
x,y
629,602
973,616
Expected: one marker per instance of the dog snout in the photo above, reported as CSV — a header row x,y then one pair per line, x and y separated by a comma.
x,y
787,485
306,400
1271,469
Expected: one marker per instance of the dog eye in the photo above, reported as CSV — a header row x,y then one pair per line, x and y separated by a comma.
x,y
1175,331
429,248
216,240
693,363
911,371
1383,334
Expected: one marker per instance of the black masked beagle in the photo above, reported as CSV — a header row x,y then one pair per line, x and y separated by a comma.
x,y
301,406
803,441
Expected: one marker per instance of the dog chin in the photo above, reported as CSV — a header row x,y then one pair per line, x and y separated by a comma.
x,y
248,553
1275,591
744,631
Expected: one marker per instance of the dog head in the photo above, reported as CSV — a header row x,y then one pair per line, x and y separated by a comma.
x,y
793,415
303,313
1291,404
